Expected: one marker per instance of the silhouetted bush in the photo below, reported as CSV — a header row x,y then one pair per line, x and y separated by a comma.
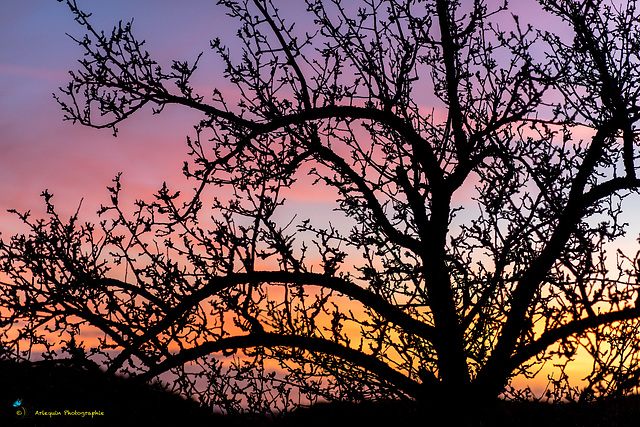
x,y
58,386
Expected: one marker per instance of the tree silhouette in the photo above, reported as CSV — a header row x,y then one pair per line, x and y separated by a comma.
x,y
479,223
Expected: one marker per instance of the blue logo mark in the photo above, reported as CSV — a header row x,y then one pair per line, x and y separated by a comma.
x,y
17,403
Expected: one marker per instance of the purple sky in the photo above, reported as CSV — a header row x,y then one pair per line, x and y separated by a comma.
x,y
39,151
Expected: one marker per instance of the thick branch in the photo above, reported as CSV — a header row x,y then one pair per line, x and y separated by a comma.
x,y
452,70
368,362
367,298
575,327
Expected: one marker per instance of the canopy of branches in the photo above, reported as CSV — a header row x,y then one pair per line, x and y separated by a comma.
x,y
479,164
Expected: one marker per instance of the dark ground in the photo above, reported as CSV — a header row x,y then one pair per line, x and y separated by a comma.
x,y
56,389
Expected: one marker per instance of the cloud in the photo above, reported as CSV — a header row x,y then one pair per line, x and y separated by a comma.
x,y
51,75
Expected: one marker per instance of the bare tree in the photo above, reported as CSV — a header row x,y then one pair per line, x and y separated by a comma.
x,y
478,236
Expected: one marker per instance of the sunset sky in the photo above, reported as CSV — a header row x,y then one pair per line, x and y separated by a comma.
x,y
39,151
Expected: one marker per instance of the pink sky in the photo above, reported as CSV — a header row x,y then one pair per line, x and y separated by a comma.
x,y
39,151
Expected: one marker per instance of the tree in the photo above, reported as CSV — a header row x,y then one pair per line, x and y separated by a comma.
x,y
430,295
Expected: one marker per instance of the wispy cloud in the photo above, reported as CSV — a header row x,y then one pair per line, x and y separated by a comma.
x,y
33,72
